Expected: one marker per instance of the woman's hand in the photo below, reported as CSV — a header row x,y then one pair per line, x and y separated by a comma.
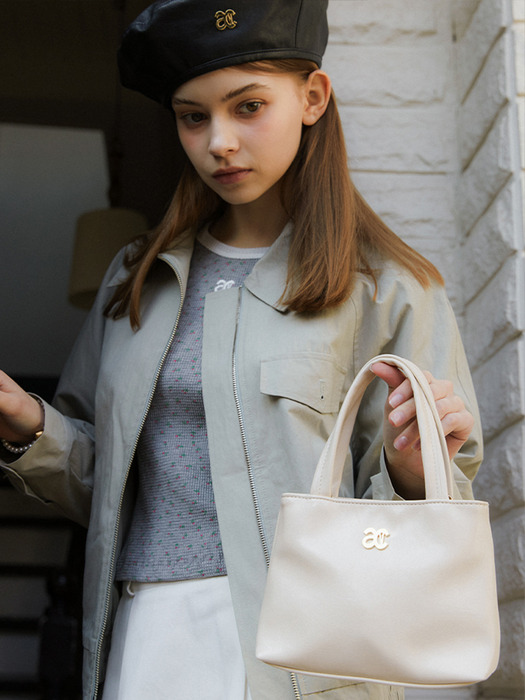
x,y
401,434
21,416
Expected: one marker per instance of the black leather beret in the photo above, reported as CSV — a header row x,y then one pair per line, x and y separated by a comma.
x,y
173,41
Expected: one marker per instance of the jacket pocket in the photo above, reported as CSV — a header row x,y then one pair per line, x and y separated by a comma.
x,y
313,379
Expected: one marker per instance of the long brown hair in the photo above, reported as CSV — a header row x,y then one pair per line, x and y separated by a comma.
x,y
335,232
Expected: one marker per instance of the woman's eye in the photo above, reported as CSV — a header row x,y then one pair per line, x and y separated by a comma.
x,y
193,118
250,107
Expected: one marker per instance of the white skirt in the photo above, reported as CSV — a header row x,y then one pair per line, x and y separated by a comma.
x,y
176,641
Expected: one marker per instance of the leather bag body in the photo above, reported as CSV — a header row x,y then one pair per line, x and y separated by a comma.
x,y
397,592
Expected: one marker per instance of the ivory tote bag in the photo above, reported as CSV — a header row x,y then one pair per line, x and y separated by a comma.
x,y
397,592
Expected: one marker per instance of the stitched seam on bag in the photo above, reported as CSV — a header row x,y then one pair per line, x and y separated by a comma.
x,y
382,504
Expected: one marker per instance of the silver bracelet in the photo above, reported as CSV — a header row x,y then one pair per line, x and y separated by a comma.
x,y
20,449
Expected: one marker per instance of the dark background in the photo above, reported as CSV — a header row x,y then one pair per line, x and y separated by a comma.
x,y
58,68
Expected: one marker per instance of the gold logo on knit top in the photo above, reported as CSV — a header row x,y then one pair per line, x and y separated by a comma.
x,y
225,20
375,538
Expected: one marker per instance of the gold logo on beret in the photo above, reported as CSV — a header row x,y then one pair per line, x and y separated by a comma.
x,y
225,20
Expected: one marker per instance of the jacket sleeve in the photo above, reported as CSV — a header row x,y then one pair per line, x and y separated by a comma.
x,y
58,469
416,323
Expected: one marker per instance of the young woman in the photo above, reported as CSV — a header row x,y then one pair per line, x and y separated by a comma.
x,y
212,367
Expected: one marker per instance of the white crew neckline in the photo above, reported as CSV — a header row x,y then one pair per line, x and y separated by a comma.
x,y
229,251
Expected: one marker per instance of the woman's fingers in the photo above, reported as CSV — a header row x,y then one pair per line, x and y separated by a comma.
x,y
391,375
400,411
445,405
21,416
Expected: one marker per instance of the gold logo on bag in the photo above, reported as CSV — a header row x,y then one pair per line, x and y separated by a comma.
x,y
376,538
225,20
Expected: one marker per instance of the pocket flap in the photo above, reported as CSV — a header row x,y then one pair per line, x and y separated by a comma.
x,y
313,379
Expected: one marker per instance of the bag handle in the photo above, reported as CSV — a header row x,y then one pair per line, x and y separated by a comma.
x,y
436,462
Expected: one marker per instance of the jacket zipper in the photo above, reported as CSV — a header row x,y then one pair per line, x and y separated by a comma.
x,y
94,693
247,458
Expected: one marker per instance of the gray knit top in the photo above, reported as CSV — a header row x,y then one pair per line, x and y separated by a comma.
x,y
174,533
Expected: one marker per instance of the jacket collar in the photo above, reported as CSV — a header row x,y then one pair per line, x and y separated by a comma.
x,y
267,279
179,258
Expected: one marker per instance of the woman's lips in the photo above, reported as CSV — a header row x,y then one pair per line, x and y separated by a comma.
x,y
230,176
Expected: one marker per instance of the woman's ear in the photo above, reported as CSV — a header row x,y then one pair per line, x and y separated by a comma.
x,y
318,89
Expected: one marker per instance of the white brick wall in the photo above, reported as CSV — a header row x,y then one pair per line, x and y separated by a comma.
x,y
490,79
432,97
393,77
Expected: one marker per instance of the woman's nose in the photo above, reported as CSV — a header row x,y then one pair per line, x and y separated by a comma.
x,y
223,139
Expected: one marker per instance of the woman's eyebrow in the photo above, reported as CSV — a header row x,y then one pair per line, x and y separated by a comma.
x,y
242,90
182,101
229,96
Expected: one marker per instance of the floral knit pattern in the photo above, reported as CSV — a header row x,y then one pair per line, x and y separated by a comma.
x,y
174,533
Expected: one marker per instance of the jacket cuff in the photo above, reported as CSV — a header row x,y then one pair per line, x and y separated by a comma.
x,y
382,487
44,451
